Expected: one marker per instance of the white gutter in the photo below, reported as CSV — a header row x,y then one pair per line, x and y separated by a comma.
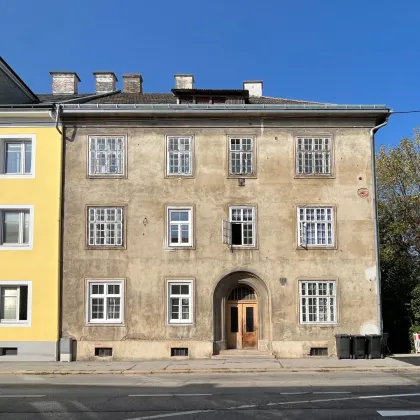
x,y
375,219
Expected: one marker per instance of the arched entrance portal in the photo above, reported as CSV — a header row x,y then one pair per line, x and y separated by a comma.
x,y
241,313
242,316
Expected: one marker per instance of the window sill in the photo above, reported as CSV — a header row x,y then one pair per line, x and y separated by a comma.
x,y
105,324
315,176
319,324
14,324
104,176
8,247
105,247
17,176
180,248
236,176
180,324
243,247
317,248
177,176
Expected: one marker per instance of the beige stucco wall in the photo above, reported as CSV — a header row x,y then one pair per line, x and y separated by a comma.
x,y
145,263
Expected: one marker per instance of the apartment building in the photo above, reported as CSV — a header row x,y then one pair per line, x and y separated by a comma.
x,y
30,202
201,220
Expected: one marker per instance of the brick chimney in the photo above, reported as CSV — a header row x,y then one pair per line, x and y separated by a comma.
x,y
132,83
184,81
105,81
255,87
64,82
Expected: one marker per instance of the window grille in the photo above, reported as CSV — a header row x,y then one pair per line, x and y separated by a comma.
x,y
106,155
14,227
179,155
105,302
105,226
241,156
317,302
179,302
242,293
313,156
242,220
179,227
315,226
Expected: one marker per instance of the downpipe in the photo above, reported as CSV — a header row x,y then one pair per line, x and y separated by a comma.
x,y
375,219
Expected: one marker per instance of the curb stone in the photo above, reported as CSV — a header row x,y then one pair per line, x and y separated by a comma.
x,y
215,370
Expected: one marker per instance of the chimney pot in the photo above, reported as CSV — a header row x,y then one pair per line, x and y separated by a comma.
x,y
184,81
133,83
254,87
105,81
64,82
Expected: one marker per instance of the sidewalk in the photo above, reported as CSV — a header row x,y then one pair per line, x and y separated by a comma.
x,y
239,364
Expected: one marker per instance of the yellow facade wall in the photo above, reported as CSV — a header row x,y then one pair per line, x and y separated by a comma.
x,y
40,265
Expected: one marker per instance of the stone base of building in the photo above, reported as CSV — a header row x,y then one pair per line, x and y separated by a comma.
x,y
28,351
295,349
142,350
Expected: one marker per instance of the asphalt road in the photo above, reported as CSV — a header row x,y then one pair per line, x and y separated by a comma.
x,y
293,395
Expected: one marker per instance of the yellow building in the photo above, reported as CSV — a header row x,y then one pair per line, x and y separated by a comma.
x,y
30,207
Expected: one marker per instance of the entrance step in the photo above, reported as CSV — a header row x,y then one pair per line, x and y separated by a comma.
x,y
243,354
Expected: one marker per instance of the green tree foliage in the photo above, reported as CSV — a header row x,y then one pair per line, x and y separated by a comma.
x,y
398,178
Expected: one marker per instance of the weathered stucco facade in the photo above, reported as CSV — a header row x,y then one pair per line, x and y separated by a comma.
x,y
273,268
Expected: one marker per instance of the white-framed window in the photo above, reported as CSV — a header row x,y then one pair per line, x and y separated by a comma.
x,y
15,303
16,227
313,156
17,156
180,301
318,302
179,227
107,155
105,301
315,226
242,226
179,155
241,156
106,226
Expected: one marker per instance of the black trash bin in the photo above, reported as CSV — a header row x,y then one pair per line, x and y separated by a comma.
x,y
342,342
374,346
358,346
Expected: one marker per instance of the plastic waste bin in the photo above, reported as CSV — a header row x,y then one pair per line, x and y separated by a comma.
x,y
373,346
358,346
342,342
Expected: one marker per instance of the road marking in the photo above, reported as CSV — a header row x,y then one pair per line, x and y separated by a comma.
x,y
346,398
332,392
169,395
293,393
390,396
182,413
21,396
244,406
390,413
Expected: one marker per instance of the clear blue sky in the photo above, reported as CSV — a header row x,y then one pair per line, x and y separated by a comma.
x,y
340,51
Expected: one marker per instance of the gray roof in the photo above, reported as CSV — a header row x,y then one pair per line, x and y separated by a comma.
x,y
47,98
169,98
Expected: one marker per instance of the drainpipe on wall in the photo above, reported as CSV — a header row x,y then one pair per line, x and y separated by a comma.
x,y
375,219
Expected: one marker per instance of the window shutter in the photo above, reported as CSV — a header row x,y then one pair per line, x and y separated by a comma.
x,y
226,232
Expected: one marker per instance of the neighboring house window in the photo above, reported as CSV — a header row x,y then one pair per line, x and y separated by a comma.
x,y
242,225
179,155
105,301
241,156
106,155
179,302
180,227
318,302
315,226
15,227
313,156
105,226
14,303
17,155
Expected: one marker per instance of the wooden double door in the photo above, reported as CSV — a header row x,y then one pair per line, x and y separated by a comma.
x,y
242,325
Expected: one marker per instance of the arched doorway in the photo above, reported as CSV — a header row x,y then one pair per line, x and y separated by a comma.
x,y
241,288
242,318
